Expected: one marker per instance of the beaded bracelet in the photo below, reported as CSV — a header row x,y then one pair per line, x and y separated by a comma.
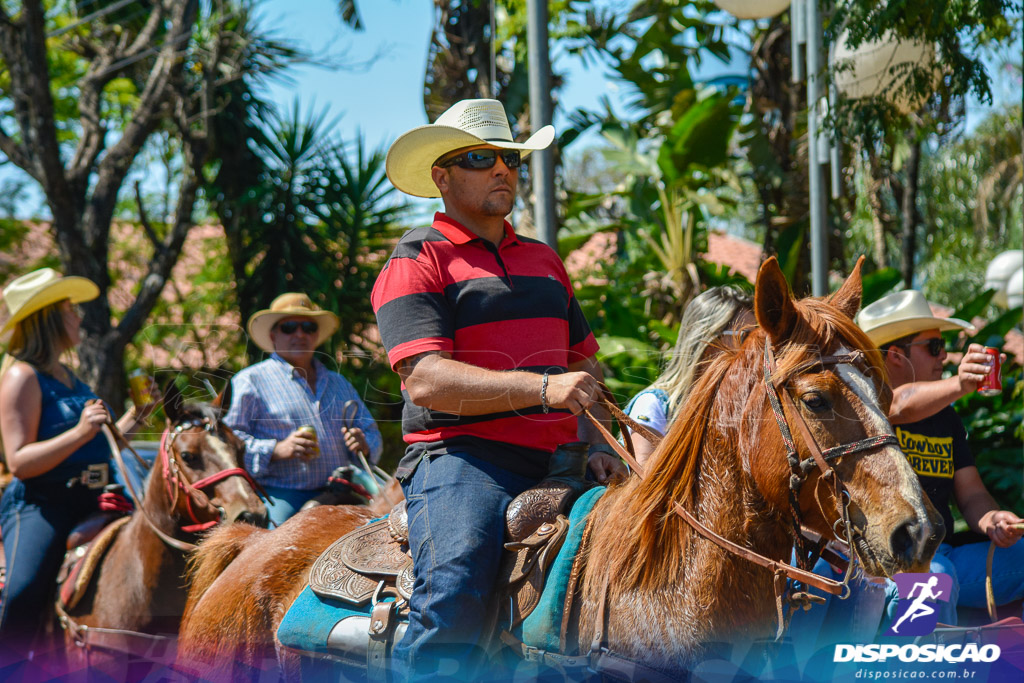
x,y
544,393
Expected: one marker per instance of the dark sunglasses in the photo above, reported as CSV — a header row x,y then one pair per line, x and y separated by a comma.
x,y
308,326
483,158
936,345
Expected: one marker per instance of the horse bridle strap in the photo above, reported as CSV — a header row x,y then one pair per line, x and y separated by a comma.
x,y
819,457
108,431
793,572
178,479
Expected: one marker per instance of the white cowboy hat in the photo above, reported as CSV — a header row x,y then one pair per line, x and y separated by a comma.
x,y
902,314
286,306
466,124
36,290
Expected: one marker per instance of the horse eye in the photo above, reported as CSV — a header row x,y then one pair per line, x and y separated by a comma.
x,y
815,402
190,458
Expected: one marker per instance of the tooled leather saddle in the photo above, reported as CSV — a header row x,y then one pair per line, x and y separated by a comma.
x,y
373,563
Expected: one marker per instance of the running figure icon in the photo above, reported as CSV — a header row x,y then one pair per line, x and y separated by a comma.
x,y
919,608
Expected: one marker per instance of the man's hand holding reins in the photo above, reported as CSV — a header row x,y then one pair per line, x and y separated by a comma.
x,y
355,440
572,391
1003,527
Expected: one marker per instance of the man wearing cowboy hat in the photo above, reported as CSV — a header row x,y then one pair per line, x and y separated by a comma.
x,y
272,401
932,436
496,360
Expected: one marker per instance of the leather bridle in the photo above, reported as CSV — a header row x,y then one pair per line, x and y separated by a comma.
x,y
799,469
177,483
176,480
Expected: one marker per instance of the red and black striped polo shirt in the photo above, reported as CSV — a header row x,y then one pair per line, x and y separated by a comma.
x,y
502,308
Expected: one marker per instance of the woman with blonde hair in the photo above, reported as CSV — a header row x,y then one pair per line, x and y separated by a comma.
x,y
50,425
713,317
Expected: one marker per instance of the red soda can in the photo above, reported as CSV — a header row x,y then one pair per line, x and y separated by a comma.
x,y
992,385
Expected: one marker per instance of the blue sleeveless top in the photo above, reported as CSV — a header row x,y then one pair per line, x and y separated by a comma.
x,y
61,408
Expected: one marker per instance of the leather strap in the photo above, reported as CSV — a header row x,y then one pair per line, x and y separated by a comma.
x,y
603,662
183,546
383,622
113,639
801,575
990,595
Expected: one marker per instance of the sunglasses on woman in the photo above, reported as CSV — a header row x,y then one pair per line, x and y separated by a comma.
x,y
936,345
483,158
308,326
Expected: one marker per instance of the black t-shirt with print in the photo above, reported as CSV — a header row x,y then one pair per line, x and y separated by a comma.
x,y
936,448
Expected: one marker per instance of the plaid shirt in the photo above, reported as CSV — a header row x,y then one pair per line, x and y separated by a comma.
x,y
272,399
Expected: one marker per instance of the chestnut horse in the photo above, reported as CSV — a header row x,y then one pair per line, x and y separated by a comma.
x,y
652,590
256,574
139,588
724,462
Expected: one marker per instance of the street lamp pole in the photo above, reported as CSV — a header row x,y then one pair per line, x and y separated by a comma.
x,y
815,155
542,165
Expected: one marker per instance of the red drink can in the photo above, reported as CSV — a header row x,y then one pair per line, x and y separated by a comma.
x,y
992,385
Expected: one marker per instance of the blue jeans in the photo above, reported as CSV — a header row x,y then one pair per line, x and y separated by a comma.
x,y
853,620
456,505
966,564
286,502
35,519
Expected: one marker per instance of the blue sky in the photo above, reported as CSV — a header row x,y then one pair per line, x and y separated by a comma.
x,y
384,98
375,87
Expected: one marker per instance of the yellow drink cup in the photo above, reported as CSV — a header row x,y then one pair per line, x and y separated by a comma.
x,y
310,431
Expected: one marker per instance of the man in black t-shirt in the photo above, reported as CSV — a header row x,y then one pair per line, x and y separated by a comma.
x,y
934,440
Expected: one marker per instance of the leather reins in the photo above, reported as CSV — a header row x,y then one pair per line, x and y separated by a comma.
x,y
799,469
173,473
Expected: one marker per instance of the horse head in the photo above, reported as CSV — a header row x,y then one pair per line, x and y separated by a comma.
x,y
845,475
786,432
202,466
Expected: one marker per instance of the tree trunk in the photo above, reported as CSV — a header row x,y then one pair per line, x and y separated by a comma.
x,y
909,214
101,367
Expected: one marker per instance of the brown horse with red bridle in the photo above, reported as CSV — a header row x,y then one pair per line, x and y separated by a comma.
x,y
134,601
788,431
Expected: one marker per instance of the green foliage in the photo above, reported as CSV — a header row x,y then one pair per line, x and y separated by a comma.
x,y
958,29
877,284
307,214
631,365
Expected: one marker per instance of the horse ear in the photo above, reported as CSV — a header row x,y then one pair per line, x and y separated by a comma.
x,y
848,297
223,400
773,303
173,402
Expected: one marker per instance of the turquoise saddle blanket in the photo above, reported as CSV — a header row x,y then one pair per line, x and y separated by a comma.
x,y
311,617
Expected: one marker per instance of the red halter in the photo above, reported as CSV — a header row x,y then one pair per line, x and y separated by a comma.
x,y
177,481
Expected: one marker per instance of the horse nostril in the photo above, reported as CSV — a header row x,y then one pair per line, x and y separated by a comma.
x,y
905,540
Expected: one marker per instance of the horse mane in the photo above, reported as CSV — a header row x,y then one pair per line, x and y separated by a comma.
x,y
642,542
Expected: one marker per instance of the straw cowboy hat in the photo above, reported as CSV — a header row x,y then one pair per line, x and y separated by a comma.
x,y
902,314
466,124
36,290
286,306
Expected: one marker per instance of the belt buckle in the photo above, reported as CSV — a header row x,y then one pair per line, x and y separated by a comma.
x,y
95,476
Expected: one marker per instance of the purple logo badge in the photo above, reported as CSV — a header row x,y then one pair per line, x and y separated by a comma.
x,y
916,614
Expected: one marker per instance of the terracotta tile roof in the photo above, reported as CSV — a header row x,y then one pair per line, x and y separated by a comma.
x,y
737,254
128,262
